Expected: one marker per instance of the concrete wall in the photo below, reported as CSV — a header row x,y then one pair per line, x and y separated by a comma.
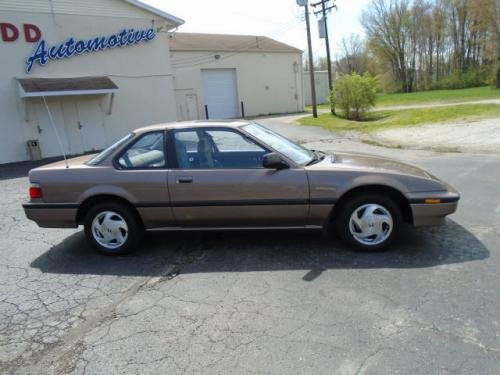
x,y
142,72
267,83
322,90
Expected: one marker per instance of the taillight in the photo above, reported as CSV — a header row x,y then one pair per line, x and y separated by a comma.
x,y
35,191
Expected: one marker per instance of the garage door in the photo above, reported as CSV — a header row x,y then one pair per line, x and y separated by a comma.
x,y
220,93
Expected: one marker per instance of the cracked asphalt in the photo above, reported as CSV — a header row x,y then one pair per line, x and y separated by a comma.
x,y
259,302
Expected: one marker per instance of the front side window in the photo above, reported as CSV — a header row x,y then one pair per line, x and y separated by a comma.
x,y
147,152
292,150
227,141
216,148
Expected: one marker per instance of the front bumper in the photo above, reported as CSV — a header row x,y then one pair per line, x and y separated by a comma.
x,y
431,208
52,215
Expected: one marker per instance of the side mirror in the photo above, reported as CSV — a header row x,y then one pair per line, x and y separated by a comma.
x,y
273,161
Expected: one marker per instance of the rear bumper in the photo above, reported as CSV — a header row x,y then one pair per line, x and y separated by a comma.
x,y
433,213
52,215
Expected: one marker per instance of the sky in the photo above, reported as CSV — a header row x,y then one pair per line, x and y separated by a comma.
x,y
282,20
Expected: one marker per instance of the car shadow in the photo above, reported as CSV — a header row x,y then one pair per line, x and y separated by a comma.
x,y
244,251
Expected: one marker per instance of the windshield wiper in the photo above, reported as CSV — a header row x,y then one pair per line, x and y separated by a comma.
x,y
318,156
313,160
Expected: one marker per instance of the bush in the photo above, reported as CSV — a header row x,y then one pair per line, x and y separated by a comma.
x,y
354,94
473,77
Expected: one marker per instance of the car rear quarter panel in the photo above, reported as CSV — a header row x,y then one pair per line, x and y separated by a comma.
x,y
145,189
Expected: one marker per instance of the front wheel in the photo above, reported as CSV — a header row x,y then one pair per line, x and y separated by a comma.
x,y
369,222
112,229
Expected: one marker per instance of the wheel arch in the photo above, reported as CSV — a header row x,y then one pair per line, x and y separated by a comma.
x,y
396,195
104,198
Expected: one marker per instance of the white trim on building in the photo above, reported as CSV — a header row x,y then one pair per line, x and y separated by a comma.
x,y
175,20
23,94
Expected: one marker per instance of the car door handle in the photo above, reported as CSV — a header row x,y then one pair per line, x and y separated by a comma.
x,y
184,180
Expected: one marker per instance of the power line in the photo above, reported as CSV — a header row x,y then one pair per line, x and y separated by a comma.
x,y
283,26
202,59
240,46
193,61
207,57
321,45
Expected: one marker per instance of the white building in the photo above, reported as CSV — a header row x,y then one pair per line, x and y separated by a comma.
x,y
321,83
101,68
227,76
96,92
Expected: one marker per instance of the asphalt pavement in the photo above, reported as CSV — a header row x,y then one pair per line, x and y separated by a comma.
x,y
259,302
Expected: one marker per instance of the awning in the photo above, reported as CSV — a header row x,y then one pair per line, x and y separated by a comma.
x,y
37,87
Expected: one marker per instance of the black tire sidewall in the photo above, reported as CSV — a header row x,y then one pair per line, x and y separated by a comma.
x,y
342,224
134,230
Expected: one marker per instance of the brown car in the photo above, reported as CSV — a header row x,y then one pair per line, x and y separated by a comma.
x,y
227,175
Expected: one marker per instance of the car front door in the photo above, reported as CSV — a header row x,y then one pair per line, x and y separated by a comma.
x,y
220,181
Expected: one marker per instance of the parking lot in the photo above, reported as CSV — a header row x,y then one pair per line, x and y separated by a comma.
x,y
259,302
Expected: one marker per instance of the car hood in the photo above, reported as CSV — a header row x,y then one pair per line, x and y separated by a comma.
x,y
374,163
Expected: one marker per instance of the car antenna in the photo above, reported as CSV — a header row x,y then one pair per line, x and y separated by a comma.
x,y
55,131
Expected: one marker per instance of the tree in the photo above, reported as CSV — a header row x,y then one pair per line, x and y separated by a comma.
x,y
424,44
354,94
488,15
352,57
387,26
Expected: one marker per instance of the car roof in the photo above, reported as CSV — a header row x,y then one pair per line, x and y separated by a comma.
x,y
192,124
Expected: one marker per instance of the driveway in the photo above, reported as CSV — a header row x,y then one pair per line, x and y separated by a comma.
x,y
265,302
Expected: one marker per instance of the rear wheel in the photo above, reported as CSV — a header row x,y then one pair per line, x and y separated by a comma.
x,y
369,222
112,228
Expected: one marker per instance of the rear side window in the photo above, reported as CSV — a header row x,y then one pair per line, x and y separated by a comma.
x,y
108,151
189,139
145,153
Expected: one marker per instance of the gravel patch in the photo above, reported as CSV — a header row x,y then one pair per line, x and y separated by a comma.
x,y
480,136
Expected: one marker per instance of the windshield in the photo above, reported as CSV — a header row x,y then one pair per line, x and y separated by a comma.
x,y
108,151
292,150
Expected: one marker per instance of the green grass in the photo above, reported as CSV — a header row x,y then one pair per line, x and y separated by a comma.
x,y
438,96
434,96
382,120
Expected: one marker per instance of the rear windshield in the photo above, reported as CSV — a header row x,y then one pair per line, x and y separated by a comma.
x,y
108,151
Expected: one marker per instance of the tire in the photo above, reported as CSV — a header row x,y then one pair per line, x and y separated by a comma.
x,y
112,228
369,222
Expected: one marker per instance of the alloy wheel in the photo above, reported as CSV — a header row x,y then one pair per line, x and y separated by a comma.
x,y
110,230
371,224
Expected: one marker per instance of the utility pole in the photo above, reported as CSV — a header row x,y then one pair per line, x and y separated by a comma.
x,y
311,62
324,9
327,41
